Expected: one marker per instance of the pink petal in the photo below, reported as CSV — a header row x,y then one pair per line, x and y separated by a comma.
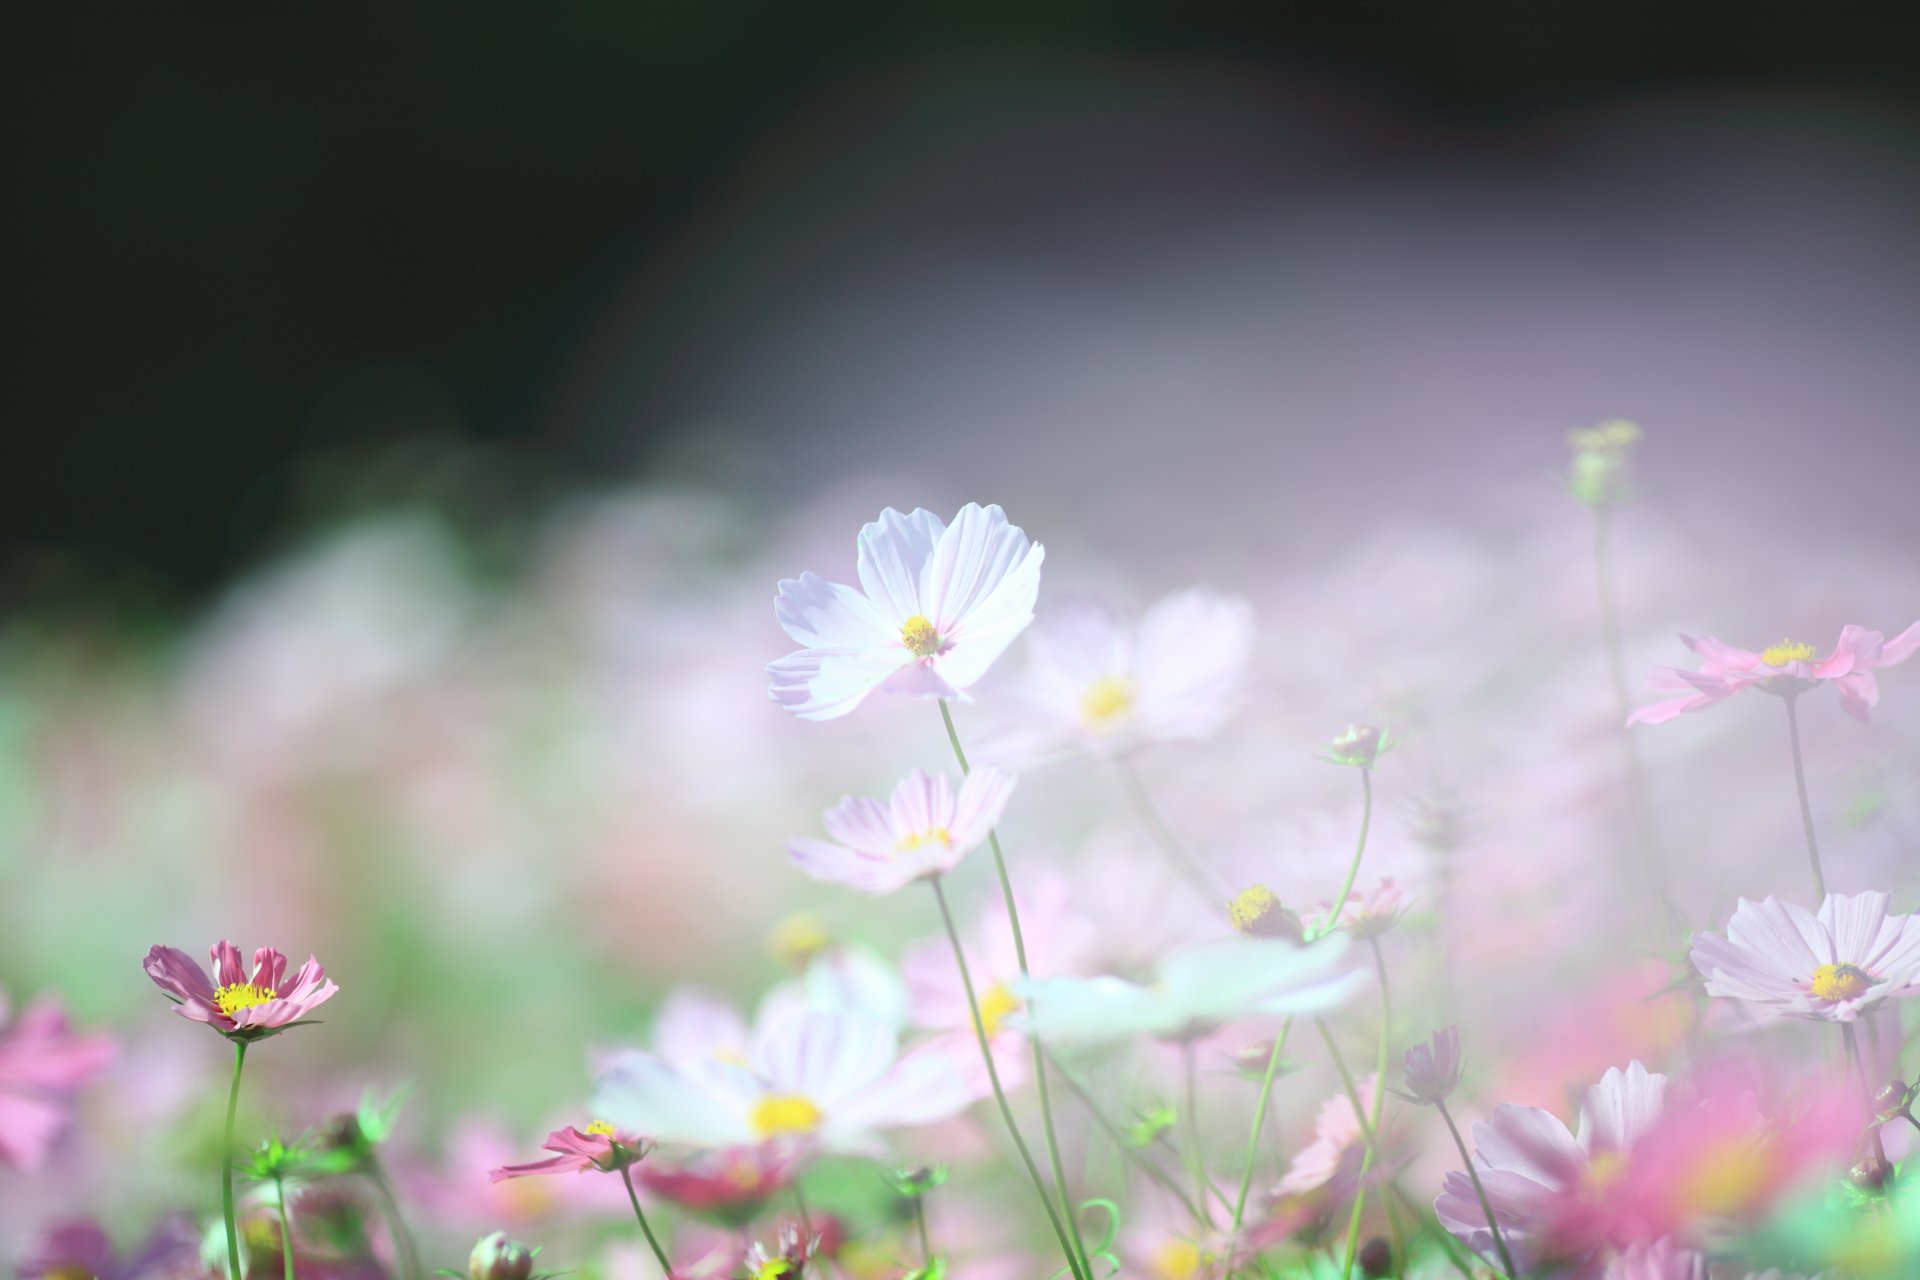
x,y
174,971
269,968
227,968
1901,647
1859,691
28,1127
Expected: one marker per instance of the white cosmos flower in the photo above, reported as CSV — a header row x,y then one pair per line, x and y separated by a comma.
x,y
922,831
1194,990
832,1080
1098,683
937,604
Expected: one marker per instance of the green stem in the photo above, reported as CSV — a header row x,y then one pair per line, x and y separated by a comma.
x,y
1359,848
286,1231
1083,1264
226,1163
633,1197
1373,1126
1193,1118
1184,864
920,1220
396,1223
1259,1123
1000,1094
1806,807
1126,1148
1486,1206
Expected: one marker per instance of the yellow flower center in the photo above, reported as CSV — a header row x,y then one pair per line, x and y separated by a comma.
x,y
995,1006
1836,982
1779,655
1603,1170
1250,906
796,940
599,1129
773,1269
1176,1260
235,996
1106,700
921,839
780,1114
918,635
1725,1178
67,1271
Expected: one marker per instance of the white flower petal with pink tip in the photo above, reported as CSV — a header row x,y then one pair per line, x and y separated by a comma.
x,y
940,604
922,831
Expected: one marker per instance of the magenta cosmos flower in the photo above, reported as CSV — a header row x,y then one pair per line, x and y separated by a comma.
x,y
239,1005
1788,669
923,830
599,1147
1832,967
937,604
43,1063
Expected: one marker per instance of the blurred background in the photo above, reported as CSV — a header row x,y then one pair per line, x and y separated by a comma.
x,y
409,410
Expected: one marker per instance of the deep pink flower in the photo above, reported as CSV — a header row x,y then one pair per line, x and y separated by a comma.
x,y
1788,668
240,1006
80,1248
729,1184
42,1065
597,1147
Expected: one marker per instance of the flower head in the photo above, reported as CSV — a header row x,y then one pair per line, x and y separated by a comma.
x,y
730,1184
80,1250
1359,746
792,1249
499,1257
922,831
599,1147
1599,473
1334,1152
1432,1070
239,1005
1096,682
937,604
43,1064
1371,914
1257,912
1788,669
1831,967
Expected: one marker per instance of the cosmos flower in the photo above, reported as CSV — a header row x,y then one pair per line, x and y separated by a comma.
x,y
1432,1070
241,1007
1660,1260
1832,967
831,1080
1194,990
1095,683
1788,669
43,1064
1371,914
598,1147
80,1250
1336,1148
730,1184
922,831
937,604
1534,1170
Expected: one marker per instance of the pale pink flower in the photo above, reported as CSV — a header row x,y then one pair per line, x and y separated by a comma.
x,y
922,831
43,1064
598,1147
237,1004
1097,683
1831,967
1335,1151
1660,1260
937,604
1788,668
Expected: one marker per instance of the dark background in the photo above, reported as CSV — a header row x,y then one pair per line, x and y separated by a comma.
x,y
216,212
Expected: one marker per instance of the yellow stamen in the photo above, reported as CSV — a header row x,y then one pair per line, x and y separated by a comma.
x,y
995,1005
235,996
1176,1260
1836,982
918,635
921,839
599,1129
779,1114
796,940
67,1271
1726,1178
773,1269
1604,1169
1106,700
1779,655
1250,906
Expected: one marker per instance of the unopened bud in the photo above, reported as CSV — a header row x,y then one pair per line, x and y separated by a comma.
x,y
1359,745
1376,1259
497,1257
1872,1174
1891,1101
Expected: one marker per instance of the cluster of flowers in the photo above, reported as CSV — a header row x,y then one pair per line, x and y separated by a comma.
x,y
1736,1164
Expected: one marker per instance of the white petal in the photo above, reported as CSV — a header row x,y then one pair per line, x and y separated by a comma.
x,y
825,615
977,809
894,553
825,684
1621,1107
825,1057
1093,1009
642,1093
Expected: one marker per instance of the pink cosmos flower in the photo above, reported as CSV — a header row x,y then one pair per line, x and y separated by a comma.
x,y
240,1006
1831,967
730,1184
1432,1069
1788,668
940,603
1661,1260
1096,682
923,831
1333,1157
598,1147
42,1065
1370,914
79,1248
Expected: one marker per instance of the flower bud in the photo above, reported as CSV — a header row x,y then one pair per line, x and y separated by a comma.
x,y
497,1257
1891,1102
1376,1259
1600,472
1872,1174
1255,911
1432,1069
1359,745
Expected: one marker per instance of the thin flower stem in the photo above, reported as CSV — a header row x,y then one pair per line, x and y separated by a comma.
x,y
920,1220
1359,848
1486,1206
1193,1117
1184,864
286,1231
1259,1123
1000,1094
1379,1098
1127,1149
396,1223
226,1163
633,1198
1806,807
1851,1043
1079,1250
